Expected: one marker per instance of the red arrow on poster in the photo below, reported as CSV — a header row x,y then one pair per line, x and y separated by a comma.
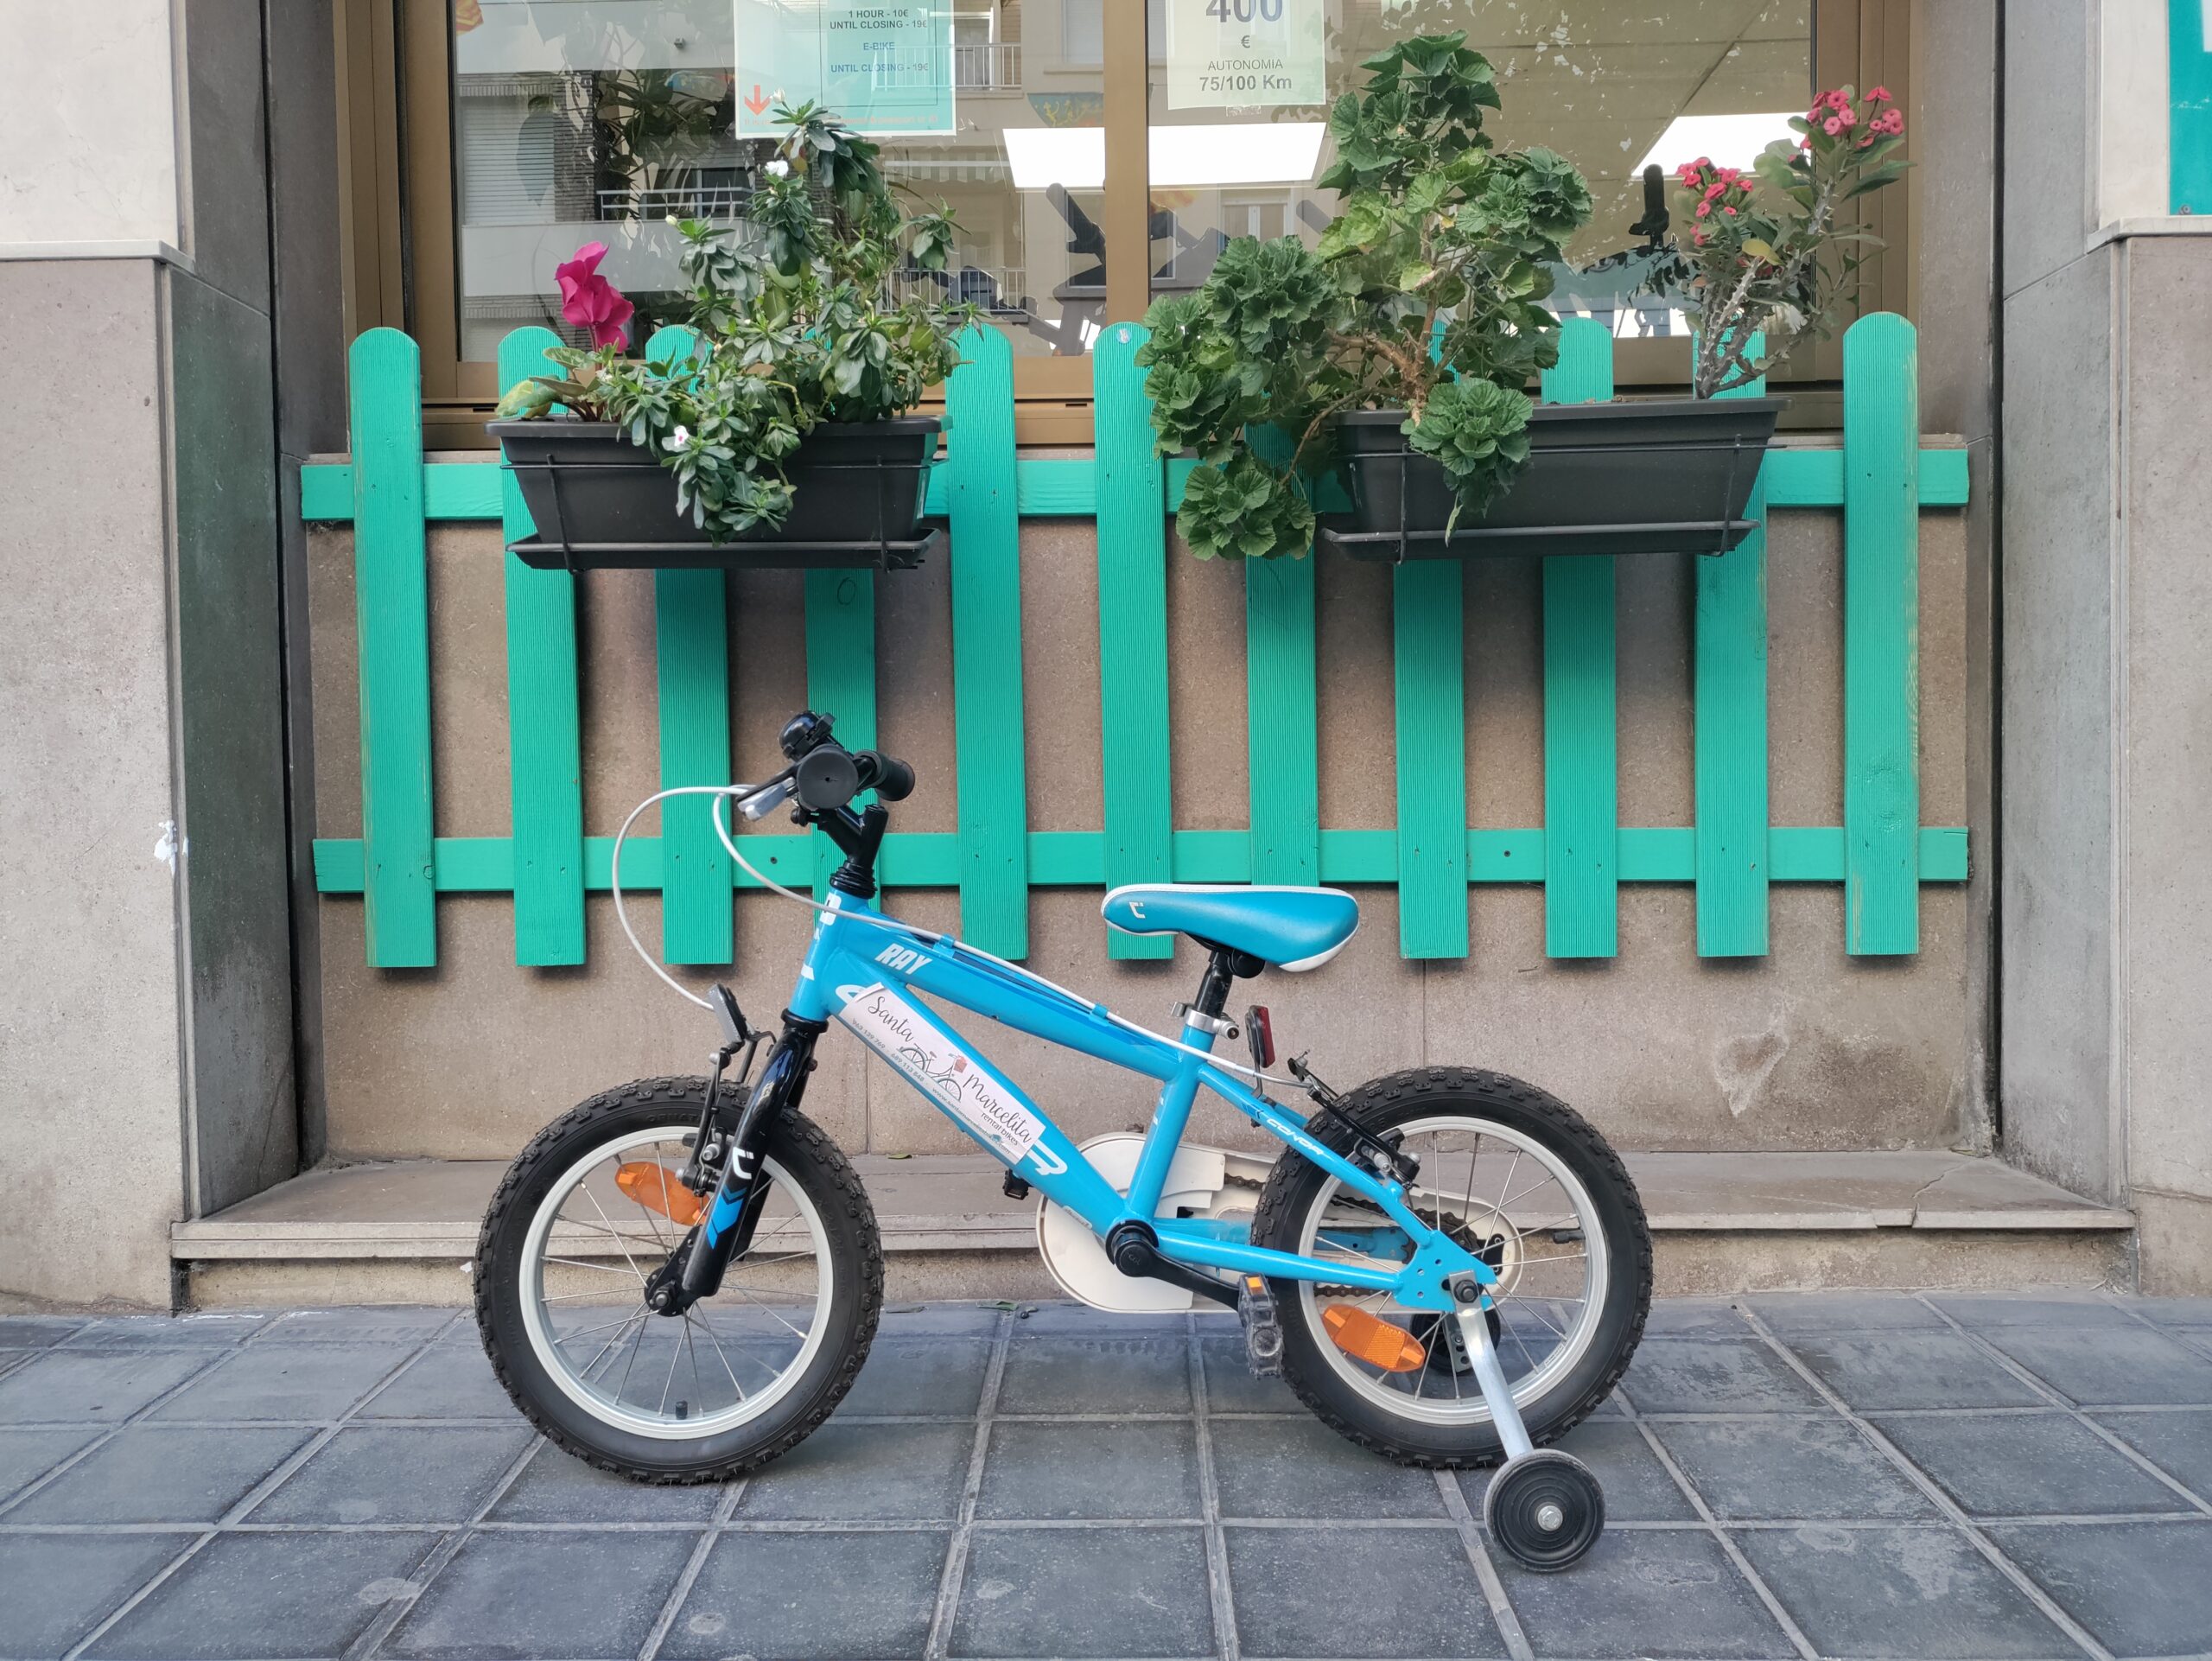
x,y
756,103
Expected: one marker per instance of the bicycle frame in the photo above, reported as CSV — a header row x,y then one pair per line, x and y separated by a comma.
x,y
859,968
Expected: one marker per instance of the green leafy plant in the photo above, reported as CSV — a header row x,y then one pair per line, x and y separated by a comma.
x,y
1768,256
796,325
1426,294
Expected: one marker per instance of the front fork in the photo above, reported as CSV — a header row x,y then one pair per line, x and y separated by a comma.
x,y
695,1269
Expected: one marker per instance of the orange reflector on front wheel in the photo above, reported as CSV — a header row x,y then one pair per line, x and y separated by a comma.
x,y
1366,1337
655,1188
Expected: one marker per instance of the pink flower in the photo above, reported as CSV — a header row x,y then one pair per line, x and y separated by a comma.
x,y
589,300
1704,208
1730,212
1879,95
1831,126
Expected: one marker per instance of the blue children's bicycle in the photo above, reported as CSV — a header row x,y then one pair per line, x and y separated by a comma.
x,y
679,1279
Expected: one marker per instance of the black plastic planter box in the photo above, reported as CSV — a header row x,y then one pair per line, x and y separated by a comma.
x,y
601,502
1672,476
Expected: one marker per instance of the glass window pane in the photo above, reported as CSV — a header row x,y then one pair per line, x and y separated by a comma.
x,y
1612,85
578,121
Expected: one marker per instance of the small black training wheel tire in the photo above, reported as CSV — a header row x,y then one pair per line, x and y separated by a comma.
x,y
1545,1509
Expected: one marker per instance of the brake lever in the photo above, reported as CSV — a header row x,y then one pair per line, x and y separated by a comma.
x,y
766,799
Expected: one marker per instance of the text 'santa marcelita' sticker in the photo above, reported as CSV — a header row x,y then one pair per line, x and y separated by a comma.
x,y
891,1026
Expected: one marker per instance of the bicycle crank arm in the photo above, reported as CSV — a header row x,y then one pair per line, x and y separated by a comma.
x,y
1497,1395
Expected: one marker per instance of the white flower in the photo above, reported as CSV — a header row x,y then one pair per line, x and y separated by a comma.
x,y
778,168
678,439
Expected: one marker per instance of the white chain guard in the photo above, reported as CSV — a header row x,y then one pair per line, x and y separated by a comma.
x,y
1197,1181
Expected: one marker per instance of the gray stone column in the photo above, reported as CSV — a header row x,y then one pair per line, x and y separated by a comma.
x,y
146,1039
2106,684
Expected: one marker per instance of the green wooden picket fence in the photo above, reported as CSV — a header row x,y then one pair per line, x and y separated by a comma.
x,y
1881,479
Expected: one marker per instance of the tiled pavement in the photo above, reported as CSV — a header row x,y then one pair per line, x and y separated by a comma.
x,y
1790,1476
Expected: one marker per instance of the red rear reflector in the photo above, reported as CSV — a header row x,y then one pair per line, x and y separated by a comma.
x,y
1260,1031
655,1188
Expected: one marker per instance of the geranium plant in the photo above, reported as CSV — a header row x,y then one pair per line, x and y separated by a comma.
x,y
1425,295
796,325
1766,254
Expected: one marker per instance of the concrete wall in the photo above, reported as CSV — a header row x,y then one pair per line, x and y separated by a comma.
x,y
2107,893
91,1055
146,1035
1806,1049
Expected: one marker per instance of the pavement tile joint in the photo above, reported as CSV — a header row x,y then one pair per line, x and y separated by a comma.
x,y
1929,1478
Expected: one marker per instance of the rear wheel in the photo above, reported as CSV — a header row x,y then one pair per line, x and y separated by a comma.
x,y
561,1271
1520,1180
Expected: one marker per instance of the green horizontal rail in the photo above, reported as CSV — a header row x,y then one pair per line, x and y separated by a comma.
x,y
1067,486
1077,859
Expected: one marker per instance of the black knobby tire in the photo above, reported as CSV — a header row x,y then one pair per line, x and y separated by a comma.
x,y
809,1158
1381,1105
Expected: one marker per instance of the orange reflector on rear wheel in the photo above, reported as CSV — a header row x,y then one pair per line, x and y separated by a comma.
x,y
655,1188
1366,1337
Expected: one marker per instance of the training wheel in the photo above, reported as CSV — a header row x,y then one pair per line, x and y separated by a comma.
x,y
1546,1510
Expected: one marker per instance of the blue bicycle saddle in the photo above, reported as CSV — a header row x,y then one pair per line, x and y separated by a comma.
x,y
1295,929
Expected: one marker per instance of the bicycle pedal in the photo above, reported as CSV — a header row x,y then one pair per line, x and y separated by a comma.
x,y
1255,1308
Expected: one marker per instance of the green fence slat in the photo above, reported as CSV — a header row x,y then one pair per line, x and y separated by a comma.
x,y
1431,758
392,615
1729,713
2189,126
987,704
1581,787
1881,637
841,676
1133,727
691,644
1281,721
545,742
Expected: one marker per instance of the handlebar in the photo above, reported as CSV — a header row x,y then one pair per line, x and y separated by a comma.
x,y
824,775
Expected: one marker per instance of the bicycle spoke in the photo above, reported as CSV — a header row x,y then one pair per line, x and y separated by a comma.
x,y
604,1268
744,1293
675,1355
691,1320
618,1240
635,1314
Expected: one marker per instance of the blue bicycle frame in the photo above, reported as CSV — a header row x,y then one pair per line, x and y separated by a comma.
x,y
859,969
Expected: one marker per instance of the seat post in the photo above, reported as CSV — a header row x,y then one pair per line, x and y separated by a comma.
x,y
1223,965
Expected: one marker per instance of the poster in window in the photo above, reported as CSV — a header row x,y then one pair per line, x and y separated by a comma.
x,y
1245,53
884,67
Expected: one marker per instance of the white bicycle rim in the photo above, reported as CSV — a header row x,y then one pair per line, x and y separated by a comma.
x,y
1464,1405
574,1383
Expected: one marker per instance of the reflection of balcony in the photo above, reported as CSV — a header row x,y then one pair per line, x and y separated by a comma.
x,y
992,67
997,289
696,202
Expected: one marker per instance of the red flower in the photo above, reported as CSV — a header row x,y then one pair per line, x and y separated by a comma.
x,y
589,300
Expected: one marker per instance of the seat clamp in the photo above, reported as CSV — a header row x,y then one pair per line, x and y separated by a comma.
x,y
1219,1026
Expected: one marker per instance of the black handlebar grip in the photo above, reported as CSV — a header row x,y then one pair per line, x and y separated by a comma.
x,y
826,778
893,780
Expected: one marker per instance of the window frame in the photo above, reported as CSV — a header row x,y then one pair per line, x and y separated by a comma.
x,y
398,191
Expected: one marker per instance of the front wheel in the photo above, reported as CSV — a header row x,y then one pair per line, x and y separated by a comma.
x,y
738,1378
1523,1182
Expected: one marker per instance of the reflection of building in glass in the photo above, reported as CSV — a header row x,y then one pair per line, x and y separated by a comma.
x,y
1609,84
578,121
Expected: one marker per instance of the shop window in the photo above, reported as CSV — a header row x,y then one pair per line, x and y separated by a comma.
x,y
526,128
